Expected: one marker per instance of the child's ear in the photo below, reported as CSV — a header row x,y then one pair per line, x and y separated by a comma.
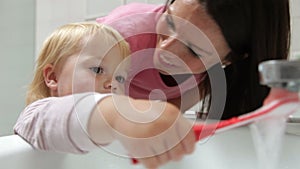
x,y
50,77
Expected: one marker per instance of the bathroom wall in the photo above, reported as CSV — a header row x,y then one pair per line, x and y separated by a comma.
x,y
17,34
26,23
295,13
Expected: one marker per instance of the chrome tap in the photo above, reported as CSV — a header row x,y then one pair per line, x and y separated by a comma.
x,y
283,74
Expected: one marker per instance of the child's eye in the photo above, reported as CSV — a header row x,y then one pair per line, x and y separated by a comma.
x,y
120,79
97,70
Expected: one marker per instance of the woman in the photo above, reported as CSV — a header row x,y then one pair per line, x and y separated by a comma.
x,y
243,32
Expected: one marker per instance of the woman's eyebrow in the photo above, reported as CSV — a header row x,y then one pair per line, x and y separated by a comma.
x,y
192,47
170,20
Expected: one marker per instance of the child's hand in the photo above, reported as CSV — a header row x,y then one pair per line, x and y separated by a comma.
x,y
152,132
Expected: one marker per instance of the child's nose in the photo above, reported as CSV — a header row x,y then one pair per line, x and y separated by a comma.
x,y
107,85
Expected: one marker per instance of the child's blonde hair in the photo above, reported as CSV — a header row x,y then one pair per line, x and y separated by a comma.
x,y
66,41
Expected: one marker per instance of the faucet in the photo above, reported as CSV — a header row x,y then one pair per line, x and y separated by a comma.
x,y
282,75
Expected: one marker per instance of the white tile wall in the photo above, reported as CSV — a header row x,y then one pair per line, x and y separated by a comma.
x,y
16,53
295,5
295,19
53,13
96,8
295,40
130,1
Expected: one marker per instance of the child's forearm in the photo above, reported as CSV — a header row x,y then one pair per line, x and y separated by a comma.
x,y
148,130
117,115
99,125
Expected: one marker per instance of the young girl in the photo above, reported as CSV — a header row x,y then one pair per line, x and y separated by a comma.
x,y
78,53
68,111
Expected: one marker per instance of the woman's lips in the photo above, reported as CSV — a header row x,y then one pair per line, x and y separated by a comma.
x,y
170,64
165,60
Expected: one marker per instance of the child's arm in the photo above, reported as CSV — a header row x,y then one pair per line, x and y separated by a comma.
x,y
153,132
56,123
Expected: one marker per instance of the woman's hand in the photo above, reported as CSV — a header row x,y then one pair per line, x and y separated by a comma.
x,y
152,132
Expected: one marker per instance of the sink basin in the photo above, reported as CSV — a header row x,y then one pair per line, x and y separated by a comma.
x,y
233,149
293,126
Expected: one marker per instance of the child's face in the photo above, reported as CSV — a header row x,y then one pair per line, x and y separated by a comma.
x,y
90,70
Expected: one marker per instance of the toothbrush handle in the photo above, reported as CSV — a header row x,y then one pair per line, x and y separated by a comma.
x,y
197,130
204,130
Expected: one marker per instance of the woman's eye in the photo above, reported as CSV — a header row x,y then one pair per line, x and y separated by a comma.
x,y
170,22
97,70
189,47
194,53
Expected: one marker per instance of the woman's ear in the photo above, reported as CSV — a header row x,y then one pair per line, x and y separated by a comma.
x,y
50,78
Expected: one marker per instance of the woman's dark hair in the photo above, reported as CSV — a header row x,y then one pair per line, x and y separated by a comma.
x,y
255,30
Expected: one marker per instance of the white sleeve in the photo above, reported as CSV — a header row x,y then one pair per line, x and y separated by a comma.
x,y
59,123
79,120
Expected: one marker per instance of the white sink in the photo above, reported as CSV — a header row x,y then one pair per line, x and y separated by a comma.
x,y
233,149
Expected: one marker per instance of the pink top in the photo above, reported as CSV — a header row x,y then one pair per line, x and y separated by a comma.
x,y
136,22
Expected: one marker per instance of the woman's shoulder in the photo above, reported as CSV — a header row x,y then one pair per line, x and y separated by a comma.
x,y
136,22
137,7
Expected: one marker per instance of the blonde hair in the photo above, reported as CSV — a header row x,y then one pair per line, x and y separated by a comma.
x,y
66,41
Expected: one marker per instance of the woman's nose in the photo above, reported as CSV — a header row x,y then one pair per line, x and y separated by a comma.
x,y
168,43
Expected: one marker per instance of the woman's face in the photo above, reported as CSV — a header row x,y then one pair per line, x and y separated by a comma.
x,y
189,40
